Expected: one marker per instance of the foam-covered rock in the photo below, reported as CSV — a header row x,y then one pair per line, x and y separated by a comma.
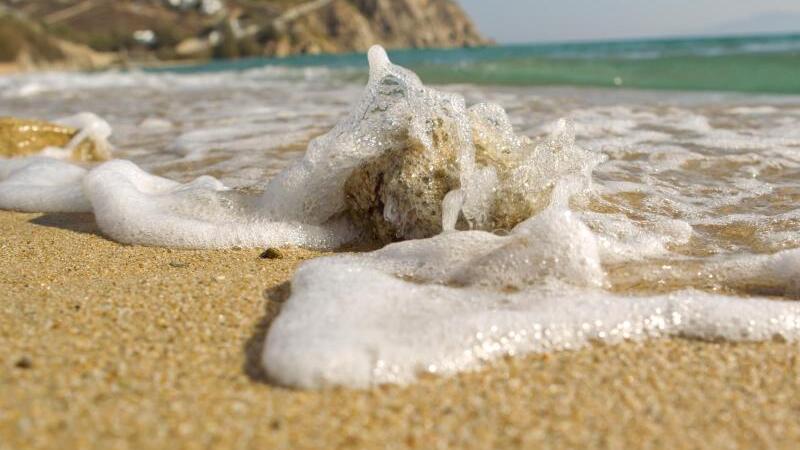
x,y
390,164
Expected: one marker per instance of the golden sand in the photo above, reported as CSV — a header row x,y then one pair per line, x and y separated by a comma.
x,y
106,346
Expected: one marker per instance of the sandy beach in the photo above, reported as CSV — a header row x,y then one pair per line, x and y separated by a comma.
x,y
572,227
109,346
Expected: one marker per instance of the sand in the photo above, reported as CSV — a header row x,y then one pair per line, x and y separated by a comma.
x,y
106,346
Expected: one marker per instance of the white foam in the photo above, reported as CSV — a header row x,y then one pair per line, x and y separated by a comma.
x,y
156,124
132,206
38,184
90,126
43,183
456,301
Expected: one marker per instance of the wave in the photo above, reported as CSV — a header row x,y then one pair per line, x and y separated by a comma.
x,y
498,244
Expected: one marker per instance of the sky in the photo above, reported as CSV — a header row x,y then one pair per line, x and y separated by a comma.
x,y
515,21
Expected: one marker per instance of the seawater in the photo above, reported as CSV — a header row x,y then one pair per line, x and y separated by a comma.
x,y
761,63
656,214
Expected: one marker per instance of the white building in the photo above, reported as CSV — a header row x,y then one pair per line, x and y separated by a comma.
x,y
208,7
211,7
145,37
182,4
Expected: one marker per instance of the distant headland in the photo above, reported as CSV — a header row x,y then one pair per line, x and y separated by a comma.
x,y
90,34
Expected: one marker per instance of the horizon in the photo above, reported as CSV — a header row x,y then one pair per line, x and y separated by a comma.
x,y
661,19
646,38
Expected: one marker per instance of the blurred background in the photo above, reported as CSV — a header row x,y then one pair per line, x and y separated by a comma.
x,y
740,45
142,30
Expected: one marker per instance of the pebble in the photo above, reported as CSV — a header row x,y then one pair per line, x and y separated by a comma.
x,y
272,253
24,363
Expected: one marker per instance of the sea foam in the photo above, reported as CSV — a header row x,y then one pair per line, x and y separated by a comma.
x,y
46,182
39,184
497,244
458,300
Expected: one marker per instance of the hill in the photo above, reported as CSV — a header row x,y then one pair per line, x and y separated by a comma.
x,y
54,31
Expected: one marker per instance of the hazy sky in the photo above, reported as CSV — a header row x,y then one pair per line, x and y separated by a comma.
x,y
560,20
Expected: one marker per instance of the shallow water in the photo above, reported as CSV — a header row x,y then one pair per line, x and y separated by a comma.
x,y
679,208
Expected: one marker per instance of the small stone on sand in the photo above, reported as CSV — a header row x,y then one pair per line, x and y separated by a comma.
x,y
24,363
272,253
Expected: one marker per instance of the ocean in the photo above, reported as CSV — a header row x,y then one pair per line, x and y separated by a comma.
x,y
760,64
524,199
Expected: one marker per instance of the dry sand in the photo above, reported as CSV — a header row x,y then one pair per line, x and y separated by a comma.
x,y
106,346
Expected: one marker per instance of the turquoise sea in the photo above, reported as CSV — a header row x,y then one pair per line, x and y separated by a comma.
x,y
764,64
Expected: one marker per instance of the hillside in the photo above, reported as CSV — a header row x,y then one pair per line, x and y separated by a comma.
x,y
55,31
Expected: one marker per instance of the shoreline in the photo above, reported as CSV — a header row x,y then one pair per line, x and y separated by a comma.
x,y
114,346
22,69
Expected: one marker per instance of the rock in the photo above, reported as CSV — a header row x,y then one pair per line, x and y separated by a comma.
x,y
272,253
498,147
340,26
24,363
23,137
399,195
192,46
434,149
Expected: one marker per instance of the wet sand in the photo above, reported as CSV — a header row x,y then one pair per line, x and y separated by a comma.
x,y
120,347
